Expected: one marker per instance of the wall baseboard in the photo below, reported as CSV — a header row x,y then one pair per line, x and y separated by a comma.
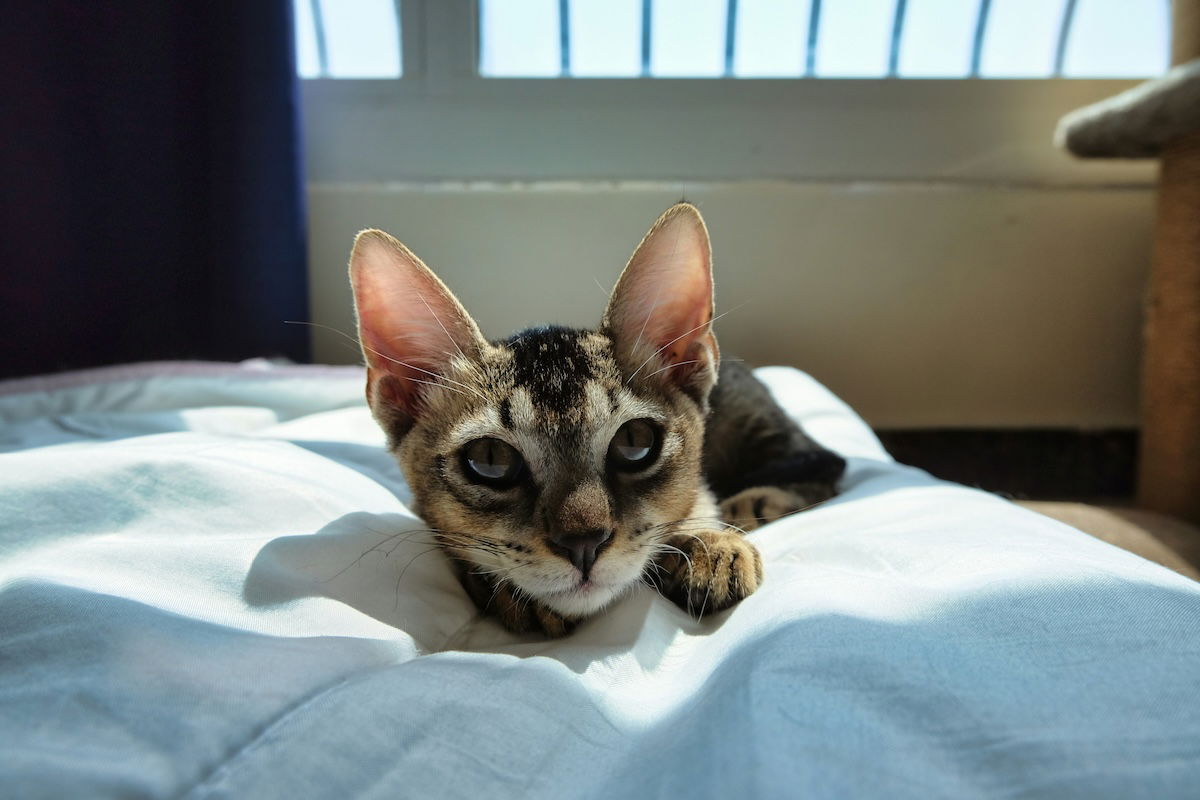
x,y
1043,463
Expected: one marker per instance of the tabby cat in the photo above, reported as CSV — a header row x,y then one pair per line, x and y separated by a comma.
x,y
561,467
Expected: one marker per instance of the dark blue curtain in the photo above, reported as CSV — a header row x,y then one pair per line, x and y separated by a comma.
x,y
151,193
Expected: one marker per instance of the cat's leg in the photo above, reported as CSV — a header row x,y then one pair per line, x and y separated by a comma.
x,y
516,611
760,463
754,507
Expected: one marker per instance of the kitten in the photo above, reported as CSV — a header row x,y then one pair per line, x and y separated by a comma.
x,y
561,467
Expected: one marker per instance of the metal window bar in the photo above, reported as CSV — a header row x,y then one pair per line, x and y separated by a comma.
x,y
814,26
897,33
981,21
730,35
564,37
398,11
319,28
646,17
814,31
1064,34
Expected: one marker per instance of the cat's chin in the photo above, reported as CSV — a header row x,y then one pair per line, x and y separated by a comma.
x,y
581,601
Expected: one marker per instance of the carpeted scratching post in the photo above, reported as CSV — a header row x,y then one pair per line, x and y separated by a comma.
x,y
1161,118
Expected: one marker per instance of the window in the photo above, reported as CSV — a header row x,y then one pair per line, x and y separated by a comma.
x,y
711,90
759,38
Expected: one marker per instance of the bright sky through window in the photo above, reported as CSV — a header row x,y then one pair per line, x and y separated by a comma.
x,y
520,38
362,38
764,38
1114,38
347,38
606,38
308,59
771,38
854,38
1021,38
937,39
687,38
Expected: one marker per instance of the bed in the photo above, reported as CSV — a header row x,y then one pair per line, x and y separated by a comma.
x,y
210,586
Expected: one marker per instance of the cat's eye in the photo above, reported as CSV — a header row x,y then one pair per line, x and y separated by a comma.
x,y
635,446
492,462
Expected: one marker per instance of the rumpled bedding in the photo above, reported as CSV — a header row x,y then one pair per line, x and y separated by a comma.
x,y
211,586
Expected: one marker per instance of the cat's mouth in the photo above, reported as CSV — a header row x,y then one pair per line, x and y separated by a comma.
x,y
575,595
583,598
584,586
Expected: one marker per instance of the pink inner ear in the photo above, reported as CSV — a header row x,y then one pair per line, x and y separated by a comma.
x,y
409,324
674,324
663,301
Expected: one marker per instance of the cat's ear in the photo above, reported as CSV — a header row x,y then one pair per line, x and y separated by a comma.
x,y
410,326
660,313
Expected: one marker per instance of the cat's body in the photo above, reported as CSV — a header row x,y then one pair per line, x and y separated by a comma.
x,y
561,467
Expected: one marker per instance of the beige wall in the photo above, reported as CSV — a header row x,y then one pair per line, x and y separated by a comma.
x,y
920,304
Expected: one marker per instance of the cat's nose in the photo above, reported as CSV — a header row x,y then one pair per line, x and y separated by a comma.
x,y
580,548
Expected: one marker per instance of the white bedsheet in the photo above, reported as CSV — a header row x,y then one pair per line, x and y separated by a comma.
x,y
203,594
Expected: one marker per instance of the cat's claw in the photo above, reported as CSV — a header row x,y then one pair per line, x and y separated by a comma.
x,y
709,571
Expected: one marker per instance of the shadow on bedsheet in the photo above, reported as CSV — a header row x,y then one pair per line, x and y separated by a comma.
x,y
388,567
1063,690
95,427
372,462
106,696
384,565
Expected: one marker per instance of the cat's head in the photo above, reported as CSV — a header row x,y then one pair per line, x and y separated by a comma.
x,y
555,458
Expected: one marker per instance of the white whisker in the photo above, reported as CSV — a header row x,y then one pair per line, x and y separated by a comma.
x,y
386,357
673,366
443,327
646,322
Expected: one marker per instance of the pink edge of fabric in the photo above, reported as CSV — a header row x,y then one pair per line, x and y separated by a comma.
x,y
251,368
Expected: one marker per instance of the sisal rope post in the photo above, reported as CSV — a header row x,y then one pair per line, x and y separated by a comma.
x,y
1161,119
1169,470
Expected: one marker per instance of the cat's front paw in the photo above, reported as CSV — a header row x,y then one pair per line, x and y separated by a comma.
x,y
709,571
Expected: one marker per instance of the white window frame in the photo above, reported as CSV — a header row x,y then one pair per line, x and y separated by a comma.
x,y
441,122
